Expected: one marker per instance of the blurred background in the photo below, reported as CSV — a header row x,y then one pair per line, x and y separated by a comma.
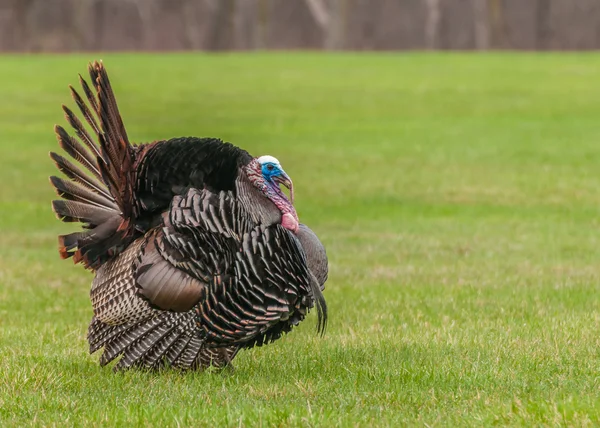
x,y
163,25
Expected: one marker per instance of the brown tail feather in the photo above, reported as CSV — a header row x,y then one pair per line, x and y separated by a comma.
x,y
70,211
76,151
100,191
78,176
81,131
89,95
114,142
109,175
67,243
84,109
111,118
74,192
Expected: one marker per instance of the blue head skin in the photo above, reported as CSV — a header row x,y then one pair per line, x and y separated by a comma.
x,y
274,174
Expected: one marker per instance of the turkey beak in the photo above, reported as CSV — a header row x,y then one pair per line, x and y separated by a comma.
x,y
287,182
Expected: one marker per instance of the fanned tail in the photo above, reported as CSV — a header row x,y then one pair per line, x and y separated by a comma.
x,y
99,190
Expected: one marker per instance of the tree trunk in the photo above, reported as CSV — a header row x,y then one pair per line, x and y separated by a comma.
x,y
220,35
262,24
335,32
543,24
319,12
499,32
432,23
192,34
482,24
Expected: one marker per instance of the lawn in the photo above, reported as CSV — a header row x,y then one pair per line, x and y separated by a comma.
x,y
458,197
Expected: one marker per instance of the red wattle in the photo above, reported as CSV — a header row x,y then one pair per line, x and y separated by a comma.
x,y
289,222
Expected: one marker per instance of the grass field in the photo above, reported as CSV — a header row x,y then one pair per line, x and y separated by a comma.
x,y
458,197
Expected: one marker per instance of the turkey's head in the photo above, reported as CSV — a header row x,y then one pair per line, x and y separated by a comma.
x,y
267,174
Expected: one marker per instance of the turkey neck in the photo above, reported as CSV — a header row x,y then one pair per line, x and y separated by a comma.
x,y
280,200
266,204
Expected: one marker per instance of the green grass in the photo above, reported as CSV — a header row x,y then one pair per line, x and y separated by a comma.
x,y
458,197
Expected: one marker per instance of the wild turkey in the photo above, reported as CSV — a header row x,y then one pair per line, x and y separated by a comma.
x,y
197,253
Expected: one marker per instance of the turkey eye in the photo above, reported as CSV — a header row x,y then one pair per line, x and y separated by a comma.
x,y
270,167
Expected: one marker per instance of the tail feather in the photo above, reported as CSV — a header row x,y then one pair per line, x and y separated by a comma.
x,y
74,192
100,243
68,243
84,109
114,142
70,211
100,191
77,175
91,99
76,151
111,118
109,173
80,129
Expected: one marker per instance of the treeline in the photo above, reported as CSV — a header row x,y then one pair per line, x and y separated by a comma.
x,y
73,25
